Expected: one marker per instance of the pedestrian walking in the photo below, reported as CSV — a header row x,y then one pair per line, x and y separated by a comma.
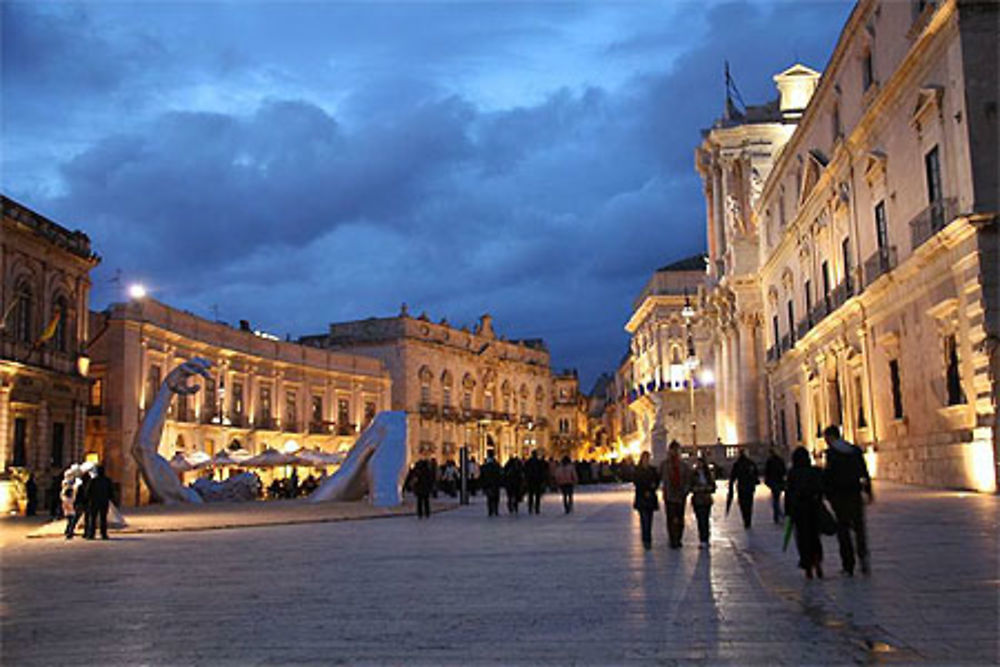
x,y
844,479
702,497
566,479
774,478
472,473
745,477
513,480
31,492
536,475
804,507
70,486
423,486
645,479
100,494
675,476
490,480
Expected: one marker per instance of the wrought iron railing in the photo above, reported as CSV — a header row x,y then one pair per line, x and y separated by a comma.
x,y
879,263
931,220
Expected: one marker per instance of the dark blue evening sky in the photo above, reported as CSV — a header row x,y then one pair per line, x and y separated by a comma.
x,y
297,163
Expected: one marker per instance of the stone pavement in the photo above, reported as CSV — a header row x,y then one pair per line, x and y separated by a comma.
x,y
464,589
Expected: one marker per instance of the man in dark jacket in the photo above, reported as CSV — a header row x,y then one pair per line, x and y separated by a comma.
x,y
100,493
844,478
746,477
490,479
423,486
774,477
536,475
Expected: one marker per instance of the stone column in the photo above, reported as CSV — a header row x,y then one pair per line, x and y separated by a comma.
x,y
39,453
721,383
749,421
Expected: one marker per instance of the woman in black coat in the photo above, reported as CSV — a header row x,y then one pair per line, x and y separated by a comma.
x,y
513,480
645,479
803,505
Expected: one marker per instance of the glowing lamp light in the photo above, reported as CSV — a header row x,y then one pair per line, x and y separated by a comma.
x,y
291,446
136,291
707,377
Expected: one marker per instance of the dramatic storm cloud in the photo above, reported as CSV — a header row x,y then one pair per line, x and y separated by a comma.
x,y
300,163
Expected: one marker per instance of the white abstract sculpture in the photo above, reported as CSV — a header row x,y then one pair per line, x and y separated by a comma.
x,y
376,464
156,471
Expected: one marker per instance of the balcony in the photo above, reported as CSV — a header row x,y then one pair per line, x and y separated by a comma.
x,y
931,220
450,413
882,261
346,429
237,420
318,428
428,410
290,426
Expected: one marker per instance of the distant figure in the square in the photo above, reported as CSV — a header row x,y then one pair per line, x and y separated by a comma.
x,y
566,479
803,505
31,490
490,480
435,476
70,508
100,493
645,479
745,477
423,485
513,480
675,475
702,497
473,472
536,475
774,478
844,479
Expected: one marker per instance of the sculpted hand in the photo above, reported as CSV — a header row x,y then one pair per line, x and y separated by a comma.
x,y
177,378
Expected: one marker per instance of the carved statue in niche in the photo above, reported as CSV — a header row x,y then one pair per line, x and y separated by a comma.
x,y
734,219
756,186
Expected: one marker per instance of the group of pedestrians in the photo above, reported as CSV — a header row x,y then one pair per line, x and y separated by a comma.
x,y
842,482
521,480
87,493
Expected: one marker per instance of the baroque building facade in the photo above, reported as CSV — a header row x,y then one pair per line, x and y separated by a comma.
x,y
43,335
671,389
263,392
458,387
570,434
875,287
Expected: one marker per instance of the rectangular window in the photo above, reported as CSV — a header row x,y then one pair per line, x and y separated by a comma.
x,y
932,169
58,444
183,407
488,401
237,403
781,207
897,389
881,231
791,320
97,394
867,69
859,399
777,332
152,384
425,393
291,411
953,377
845,250
264,409
369,413
809,301
343,412
446,396
798,423
835,121
317,410
20,443
825,270
210,404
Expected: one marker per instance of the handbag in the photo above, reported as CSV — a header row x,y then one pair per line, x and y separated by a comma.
x,y
827,523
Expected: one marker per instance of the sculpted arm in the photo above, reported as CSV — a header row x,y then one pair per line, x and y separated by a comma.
x,y
156,471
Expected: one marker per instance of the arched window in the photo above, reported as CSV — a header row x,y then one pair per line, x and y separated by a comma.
x,y
505,391
425,384
468,384
446,384
22,312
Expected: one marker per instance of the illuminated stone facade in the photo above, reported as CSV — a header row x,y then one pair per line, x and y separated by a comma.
x,y
458,387
44,305
671,387
868,250
570,435
264,392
